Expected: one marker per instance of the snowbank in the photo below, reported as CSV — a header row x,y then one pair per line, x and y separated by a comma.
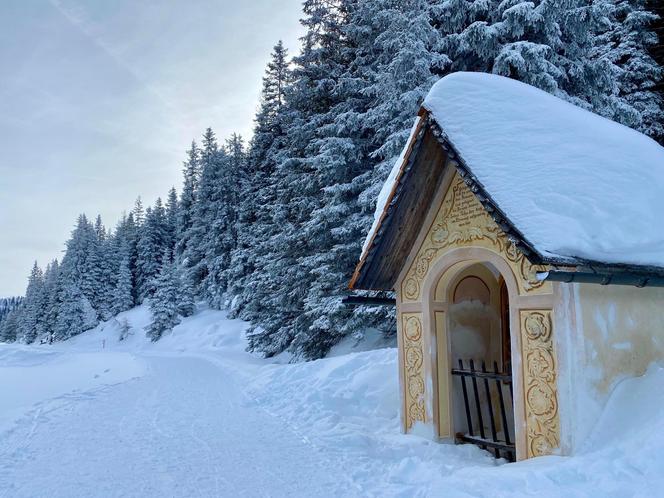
x,y
622,458
348,405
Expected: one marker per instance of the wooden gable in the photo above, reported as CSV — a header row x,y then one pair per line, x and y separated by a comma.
x,y
404,216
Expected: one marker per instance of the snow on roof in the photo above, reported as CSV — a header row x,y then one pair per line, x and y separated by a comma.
x,y
576,185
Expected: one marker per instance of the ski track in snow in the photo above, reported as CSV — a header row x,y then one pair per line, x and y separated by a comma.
x,y
184,429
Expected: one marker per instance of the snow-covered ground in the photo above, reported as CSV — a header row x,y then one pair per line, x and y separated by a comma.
x,y
195,415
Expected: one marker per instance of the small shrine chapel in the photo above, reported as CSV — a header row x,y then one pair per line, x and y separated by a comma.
x,y
523,237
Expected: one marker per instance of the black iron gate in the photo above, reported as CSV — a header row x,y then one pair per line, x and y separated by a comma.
x,y
496,436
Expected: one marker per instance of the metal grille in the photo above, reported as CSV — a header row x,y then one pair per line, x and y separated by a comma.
x,y
489,390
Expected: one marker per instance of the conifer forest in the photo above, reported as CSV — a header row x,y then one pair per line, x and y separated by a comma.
x,y
270,227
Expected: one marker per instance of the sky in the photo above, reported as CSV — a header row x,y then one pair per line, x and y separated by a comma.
x,y
99,101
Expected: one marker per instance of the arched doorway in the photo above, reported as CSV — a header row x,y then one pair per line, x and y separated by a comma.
x,y
477,358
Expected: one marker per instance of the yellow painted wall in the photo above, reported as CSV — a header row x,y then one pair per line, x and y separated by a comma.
x,y
623,327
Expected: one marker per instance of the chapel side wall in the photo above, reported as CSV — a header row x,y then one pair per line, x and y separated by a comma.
x,y
619,334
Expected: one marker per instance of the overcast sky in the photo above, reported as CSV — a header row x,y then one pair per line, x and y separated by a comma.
x,y
100,99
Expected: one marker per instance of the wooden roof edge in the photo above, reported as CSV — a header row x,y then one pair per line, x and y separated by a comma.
x,y
422,115
599,267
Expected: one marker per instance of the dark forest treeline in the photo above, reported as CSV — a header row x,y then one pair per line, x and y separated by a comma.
x,y
271,229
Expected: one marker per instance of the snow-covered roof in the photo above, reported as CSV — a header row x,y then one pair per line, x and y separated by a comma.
x,y
577,186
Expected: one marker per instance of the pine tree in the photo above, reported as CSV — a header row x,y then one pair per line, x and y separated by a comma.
x,y
220,191
126,245
280,297
164,303
622,44
103,267
252,252
29,316
138,212
80,264
49,303
153,240
123,291
9,327
193,256
171,219
191,174
75,314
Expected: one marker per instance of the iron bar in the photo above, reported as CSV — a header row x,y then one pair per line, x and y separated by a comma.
x,y
469,419
477,401
492,421
485,442
481,375
501,399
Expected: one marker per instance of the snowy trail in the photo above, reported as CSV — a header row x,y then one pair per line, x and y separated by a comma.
x,y
184,429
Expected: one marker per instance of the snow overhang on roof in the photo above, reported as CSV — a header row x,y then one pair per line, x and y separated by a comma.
x,y
568,186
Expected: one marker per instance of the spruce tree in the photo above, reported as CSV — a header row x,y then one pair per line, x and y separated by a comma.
x,y
75,314
193,255
9,327
171,219
50,296
314,91
622,43
123,291
164,303
29,319
220,190
191,177
250,283
152,242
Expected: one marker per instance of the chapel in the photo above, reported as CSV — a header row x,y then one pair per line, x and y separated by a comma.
x,y
523,237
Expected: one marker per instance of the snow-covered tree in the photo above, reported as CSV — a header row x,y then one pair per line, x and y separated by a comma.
x,y
122,295
191,174
125,329
249,284
219,196
193,255
152,241
164,303
171,219
75,314
9,327
50,303
29,318
622,44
